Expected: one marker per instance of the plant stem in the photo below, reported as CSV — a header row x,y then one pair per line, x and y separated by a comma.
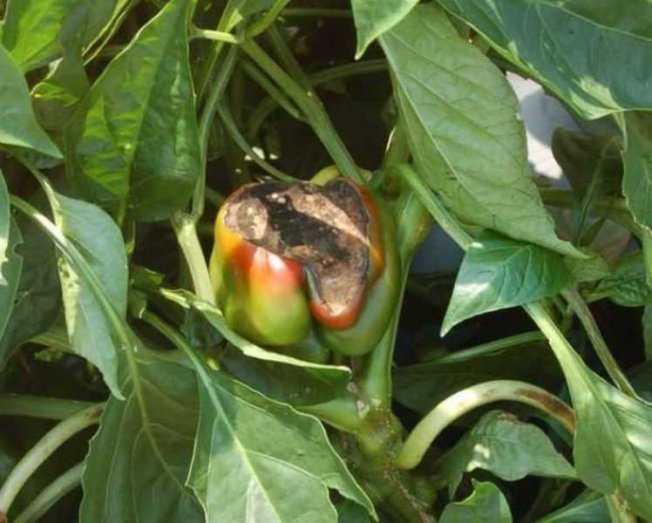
x,y
43,450
583,313
41,406
268,19
317,12
205,123
342,413
338,72
460,403
435,207
397,151
308,102
232,128
646,243
184,228
216,36
276,96
614,209
225,24
493,346
51,494
376,378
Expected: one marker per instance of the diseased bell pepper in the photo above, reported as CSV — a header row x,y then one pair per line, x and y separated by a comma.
x,y
379,302
260,293
289,257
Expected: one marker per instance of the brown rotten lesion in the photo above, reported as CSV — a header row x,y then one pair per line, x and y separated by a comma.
x,y
325,228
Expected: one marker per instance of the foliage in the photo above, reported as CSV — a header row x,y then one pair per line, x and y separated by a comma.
x,y
124,126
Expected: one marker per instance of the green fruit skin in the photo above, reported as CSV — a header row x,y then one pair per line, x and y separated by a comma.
x,y
262,311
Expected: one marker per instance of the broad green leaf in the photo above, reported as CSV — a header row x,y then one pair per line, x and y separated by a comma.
x,y
350,512
133,144
259,460
498,273
613,439
593,166
585,157
18,127
335,375
99,240
558,43
525,357
57,96
588,507
140,457
38,296
637,182
487,504
626,285
508,448
33,29
292,384
374,17
591,269
622,456
461,118
10,276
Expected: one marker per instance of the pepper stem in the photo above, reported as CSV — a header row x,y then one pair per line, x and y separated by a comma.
x,y
184,228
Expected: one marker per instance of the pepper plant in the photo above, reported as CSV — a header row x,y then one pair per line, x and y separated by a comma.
x,y
209,212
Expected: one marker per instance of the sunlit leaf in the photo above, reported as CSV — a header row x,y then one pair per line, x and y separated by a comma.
x,y
461,118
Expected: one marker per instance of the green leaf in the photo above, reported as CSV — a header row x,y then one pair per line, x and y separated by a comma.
x,y
593,268
637,182
508,448
100,242
33,29
461,118
140,457
38,296
613,439
627,284
325,373
498,273
58,95
350,512
588,507
486,505
375,17
621,457
133,144
292,384
18,127
10,275
558,42
259,460
524,357
583,157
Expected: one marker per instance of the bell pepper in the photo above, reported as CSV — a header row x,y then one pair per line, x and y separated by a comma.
x,y
289,257
378,305
260,293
